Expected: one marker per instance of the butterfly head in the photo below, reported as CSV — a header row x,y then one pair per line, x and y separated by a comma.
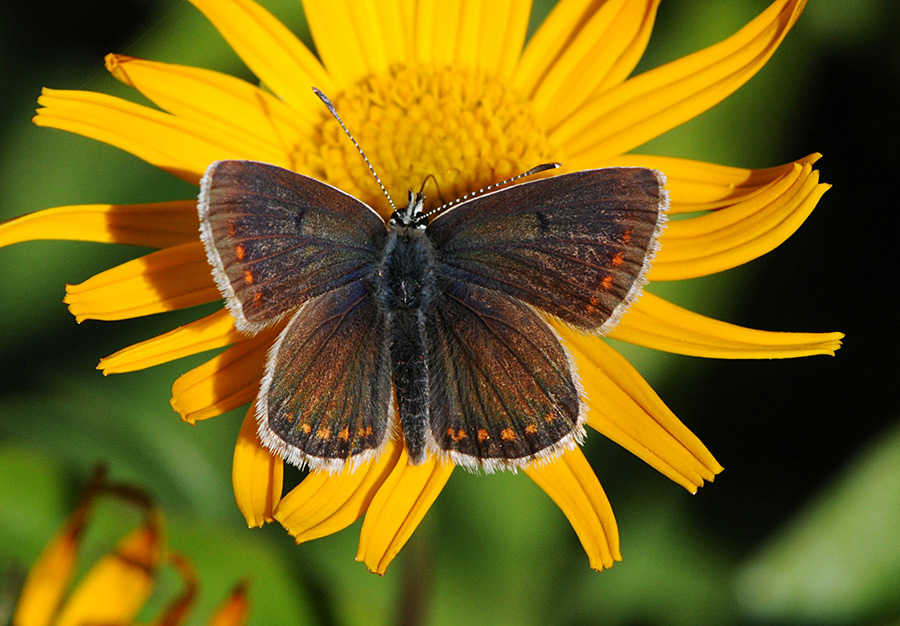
x,y
413,216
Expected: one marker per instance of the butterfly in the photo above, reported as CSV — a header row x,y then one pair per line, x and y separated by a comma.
x,y
433,331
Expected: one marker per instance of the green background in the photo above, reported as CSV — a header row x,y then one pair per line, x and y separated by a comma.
x,y
802,527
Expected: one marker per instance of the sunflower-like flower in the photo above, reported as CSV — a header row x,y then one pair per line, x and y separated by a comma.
x,y
449,91
117,586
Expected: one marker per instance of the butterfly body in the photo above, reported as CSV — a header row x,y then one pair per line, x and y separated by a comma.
x,y
434,333
405,286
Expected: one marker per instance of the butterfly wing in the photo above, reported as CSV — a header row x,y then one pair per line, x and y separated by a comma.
x,y
326,397
276,238
501,388
280,242
577,246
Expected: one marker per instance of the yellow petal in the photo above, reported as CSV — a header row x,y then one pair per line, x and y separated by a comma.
x,y
235,610
478,36
51,574
502,29
648,105
118,585
359,38
323,504
732,236
181,147
696,186
437,31
571,484
166,280
397,508
626,410
271,51
257,475
655,323
213,331
244,114
489,36
223,383
154,225
593,49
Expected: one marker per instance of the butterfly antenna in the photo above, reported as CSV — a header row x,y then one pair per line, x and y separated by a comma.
x,y
534,170
332,110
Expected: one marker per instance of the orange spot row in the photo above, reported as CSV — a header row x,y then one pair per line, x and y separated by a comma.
x,y
456,435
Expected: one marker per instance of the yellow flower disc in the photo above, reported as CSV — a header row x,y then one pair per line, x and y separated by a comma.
x,y
464,129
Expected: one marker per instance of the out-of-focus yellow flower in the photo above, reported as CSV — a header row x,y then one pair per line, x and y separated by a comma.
x,y
116,586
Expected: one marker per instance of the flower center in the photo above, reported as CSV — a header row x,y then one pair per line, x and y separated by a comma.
x,y
465,130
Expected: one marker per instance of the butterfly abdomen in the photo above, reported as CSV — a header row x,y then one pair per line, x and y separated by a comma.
x,y
406,289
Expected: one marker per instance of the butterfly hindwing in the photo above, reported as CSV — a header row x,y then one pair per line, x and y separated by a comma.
x,y
577,246
326,397
276,238
501,389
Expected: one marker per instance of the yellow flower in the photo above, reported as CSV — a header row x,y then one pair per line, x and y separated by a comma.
x,y
116,587
449,90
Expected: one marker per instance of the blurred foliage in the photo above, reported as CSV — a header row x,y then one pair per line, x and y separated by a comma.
x,y
801,527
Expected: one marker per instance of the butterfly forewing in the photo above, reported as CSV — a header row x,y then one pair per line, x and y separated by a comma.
x,y
326,397
577,246
276,238
502,391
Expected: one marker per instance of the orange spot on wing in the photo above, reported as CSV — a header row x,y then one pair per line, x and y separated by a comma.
x,y
508,434
368,431
626,236
248,277
618,259
531,429
306,428
239,252
483,434
344,435
607,283
323,433
257,297
456,435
